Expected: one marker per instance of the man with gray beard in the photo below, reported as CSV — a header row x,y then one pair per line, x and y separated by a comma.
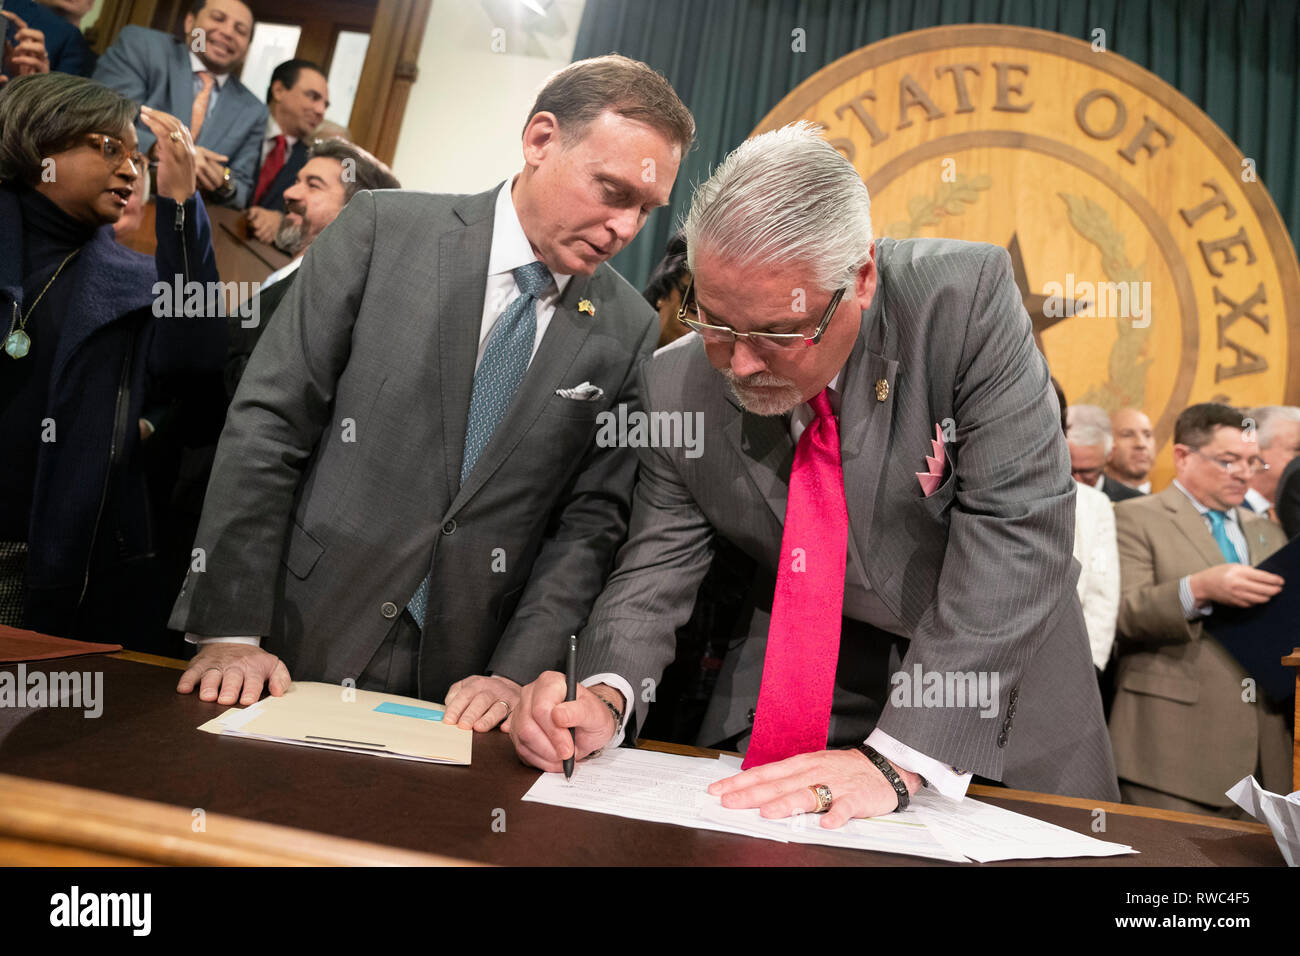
x,y
881,437
335,171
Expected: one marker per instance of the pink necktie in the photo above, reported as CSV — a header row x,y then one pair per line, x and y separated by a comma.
x,y
803,640
200,110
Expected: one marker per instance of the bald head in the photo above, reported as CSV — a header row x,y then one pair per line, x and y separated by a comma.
x,y
1134,447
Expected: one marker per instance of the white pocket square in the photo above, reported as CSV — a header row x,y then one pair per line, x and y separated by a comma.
x,y
586,392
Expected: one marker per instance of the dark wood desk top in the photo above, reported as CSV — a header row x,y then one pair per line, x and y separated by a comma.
x,y
145,745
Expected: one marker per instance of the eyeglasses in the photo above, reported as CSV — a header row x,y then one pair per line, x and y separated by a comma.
x,y
1250,466
722,335
114,150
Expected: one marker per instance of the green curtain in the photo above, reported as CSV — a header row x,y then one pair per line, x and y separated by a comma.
x,y
731,62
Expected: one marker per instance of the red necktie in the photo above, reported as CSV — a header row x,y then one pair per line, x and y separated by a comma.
x,y
274,163
803,640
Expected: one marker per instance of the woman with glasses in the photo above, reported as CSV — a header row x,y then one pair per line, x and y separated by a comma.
x,y
84,331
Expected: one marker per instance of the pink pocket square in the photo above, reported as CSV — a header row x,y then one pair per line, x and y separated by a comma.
x,y
930,479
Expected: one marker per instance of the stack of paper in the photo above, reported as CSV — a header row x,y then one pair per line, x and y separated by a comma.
x,y
669,788
344,718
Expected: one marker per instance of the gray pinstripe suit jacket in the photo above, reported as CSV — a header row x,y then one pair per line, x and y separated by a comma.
x,y
980,574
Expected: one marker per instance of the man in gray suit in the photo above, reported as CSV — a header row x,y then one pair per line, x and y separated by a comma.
x,y
192,81
961,647
408,491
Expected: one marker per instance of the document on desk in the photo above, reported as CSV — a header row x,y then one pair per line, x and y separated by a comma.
x,y
333,717
670,788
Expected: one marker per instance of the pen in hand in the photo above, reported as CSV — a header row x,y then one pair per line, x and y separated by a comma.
x,y
571,693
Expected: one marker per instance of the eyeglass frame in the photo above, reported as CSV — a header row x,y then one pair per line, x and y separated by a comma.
x,y
769,340
1228,468
136,158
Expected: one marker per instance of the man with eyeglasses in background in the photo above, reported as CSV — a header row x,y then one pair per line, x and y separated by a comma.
x,y
1183,728
880,434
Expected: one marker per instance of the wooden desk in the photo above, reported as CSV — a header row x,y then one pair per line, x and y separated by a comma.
x,y
240,257
265,802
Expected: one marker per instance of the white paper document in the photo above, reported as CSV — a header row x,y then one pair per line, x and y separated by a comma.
x,y
670,788
1282,814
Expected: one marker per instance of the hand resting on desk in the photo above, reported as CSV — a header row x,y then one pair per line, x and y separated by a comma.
x,y
782,788
232,668
480,703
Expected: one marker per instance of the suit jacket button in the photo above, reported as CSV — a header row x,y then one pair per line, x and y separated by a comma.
x,y
1002,739
389,609
449,527
750,716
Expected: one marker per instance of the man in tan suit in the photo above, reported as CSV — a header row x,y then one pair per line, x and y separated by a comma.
x,y
1185,727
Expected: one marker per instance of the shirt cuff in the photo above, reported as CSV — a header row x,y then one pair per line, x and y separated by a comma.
x,y
623,687
1190,611
949,781
198,639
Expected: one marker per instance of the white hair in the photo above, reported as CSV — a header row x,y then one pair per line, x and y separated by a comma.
x,y
1266,418
784,197
1089,425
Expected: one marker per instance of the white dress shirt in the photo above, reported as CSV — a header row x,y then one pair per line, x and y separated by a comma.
x,y
1257,502
1097,552
281,272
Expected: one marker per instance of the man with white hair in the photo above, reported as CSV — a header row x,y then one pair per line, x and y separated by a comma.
x,y
1088,432
880,435
1277,430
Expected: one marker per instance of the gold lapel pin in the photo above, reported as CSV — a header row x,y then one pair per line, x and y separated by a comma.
x,y
585,305
882,390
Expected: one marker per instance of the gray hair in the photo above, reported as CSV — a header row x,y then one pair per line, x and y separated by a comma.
x,y
784,197
1266,418
1089,425
44,113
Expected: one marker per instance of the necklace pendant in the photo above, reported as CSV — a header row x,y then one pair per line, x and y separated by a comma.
x,y
18,343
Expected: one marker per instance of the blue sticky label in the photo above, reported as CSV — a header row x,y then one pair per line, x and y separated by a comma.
x,y
406,710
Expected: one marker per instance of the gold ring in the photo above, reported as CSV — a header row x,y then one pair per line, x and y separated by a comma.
x,y
175,136
823,795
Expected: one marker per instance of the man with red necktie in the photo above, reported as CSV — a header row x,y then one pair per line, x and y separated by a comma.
x,y
880,434
297,97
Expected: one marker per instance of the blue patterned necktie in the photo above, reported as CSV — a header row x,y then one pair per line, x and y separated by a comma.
x,y
504,364
1221,537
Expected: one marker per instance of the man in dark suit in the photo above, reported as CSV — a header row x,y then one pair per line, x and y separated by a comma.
x,y
408,491
880,435
298,97
1088,433
1277,428
192,80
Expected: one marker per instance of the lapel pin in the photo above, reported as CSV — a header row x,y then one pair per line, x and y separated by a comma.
x,y
882,390
584,305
